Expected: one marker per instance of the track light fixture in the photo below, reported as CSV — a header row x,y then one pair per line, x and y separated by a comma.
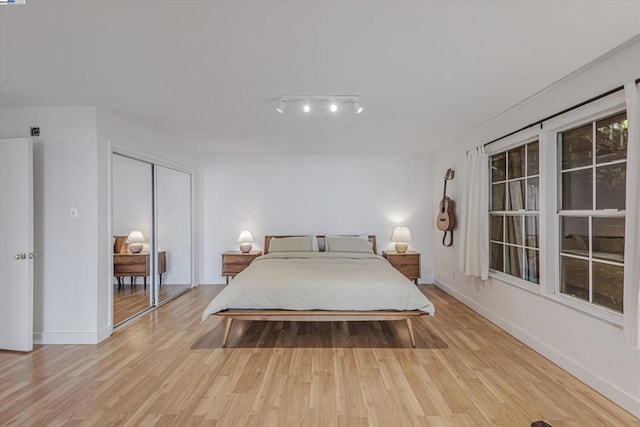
x,y
281,106
332,101
357,107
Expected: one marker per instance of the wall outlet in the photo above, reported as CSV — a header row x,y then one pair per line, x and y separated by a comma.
x,y
73,213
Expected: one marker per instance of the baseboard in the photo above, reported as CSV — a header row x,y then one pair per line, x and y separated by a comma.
x,y
104,333
212,281
425,280
610,391
66,337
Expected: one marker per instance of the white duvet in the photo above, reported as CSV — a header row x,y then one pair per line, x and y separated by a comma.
x,y
320,281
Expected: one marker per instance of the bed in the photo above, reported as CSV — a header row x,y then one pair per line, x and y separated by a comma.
x,y
320,285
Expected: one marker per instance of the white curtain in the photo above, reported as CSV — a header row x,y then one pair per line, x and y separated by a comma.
x,y
632,222
474,224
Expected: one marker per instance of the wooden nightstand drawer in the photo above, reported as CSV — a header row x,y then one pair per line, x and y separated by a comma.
x,y
232,269
404,259
407,263
234,262
411,271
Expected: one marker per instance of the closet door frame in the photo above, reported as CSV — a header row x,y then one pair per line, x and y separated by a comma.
x,y
154,160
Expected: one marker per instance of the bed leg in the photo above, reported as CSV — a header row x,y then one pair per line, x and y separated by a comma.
x,y
227,329
410,327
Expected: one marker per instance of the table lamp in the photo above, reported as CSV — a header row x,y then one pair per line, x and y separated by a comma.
x,y
401,235
245,239
135,241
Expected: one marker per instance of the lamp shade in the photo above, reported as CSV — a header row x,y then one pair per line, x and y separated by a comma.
x,y
135,236
135,241
401,234
245,237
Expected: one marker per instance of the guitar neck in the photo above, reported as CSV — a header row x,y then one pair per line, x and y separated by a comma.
x,y
444,192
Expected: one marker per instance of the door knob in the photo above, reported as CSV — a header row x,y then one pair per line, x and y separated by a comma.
x,y
20,255
32,255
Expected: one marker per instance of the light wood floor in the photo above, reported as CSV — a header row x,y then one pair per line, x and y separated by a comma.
x,y
167,368
130,300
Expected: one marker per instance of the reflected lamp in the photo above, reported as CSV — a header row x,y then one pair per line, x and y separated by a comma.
x,y
135,241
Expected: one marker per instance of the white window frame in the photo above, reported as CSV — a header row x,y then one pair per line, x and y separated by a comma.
x,y
548,218
525,137
601,109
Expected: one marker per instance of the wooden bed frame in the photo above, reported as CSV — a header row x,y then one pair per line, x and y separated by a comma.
x,y
317,315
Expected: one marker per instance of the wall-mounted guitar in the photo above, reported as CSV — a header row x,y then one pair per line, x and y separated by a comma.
x,y
446,218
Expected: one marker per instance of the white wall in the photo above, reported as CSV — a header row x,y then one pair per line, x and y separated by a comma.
x,y
299,194
591,349
66,267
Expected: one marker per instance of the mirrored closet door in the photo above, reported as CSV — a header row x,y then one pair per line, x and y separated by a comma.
x,y
173,207
132,226
152,235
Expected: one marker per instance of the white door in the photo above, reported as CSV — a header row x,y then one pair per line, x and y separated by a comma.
x,y
16,244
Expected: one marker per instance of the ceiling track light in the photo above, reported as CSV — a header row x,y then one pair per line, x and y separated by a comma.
x,y
357,107
331,102
281,106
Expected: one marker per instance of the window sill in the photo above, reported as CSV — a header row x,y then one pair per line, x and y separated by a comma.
x,y
588,308
515,281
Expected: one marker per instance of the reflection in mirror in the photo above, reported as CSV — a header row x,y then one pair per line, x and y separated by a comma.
x,y
132,225
173,192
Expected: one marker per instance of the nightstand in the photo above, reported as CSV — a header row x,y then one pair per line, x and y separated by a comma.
x,y
233,262
407,263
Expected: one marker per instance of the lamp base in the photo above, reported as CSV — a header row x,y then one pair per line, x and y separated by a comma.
x,y
245,248
134,248
401,247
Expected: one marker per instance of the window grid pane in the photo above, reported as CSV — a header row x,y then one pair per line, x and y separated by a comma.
x,y
592,246
514,190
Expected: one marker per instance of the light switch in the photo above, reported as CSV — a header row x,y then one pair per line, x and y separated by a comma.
x,y
73,213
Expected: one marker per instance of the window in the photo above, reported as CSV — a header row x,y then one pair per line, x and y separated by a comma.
x,y
593,164
513,216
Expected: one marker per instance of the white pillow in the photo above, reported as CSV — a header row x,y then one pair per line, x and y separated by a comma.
x,y
291,244
348,244
340,236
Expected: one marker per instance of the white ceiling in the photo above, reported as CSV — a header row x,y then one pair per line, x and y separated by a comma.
x,y
208,73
